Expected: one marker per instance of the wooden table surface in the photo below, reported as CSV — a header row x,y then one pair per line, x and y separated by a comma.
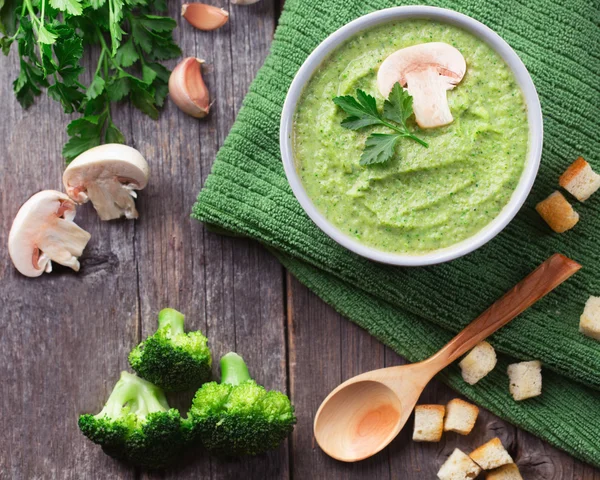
x,y
64,337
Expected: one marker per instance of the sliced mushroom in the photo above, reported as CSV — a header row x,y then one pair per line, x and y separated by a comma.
x,y
43,231
426,70
108,175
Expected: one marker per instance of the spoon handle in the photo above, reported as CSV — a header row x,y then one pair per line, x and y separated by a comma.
x,y
537,284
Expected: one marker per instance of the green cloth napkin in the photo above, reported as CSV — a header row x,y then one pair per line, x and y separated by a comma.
x,y
416,310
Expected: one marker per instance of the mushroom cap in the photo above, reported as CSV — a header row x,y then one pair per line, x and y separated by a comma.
x,y
37,226
110,160
447,60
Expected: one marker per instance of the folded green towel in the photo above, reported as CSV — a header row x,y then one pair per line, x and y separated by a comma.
x,y
416,310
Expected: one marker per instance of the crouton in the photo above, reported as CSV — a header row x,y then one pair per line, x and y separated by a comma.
x,y
429,423
458,466
491,455
580,180
507,472
589,323
460,416
478,363
525,379
557,212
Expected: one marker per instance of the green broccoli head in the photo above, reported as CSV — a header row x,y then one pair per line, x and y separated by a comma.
x,y
237,416
136,425
172,359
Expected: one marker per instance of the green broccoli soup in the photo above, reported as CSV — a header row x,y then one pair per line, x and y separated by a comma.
x,y
420,199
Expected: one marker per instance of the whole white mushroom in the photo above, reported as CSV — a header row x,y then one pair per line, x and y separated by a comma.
x,y
108,176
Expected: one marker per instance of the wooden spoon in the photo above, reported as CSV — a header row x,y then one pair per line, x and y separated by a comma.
x,y
364,414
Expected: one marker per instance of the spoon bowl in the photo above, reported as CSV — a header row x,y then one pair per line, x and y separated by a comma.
x,y
349,428
365,413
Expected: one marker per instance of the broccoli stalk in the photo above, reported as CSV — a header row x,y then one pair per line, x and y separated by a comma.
x,y
233,369
136,425
172,359
172,318
237,416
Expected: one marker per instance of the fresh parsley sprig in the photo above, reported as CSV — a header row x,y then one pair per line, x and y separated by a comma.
x,y
363,112
52,36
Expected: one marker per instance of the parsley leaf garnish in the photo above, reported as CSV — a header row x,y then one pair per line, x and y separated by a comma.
x,y
53,36
363,112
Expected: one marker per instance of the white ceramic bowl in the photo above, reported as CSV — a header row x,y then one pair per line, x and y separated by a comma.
x,y
534,117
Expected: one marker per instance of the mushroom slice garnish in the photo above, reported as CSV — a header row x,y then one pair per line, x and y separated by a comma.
x,y
43,231
108,176
427,71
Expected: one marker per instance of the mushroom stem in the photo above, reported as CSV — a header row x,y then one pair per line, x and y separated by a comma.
x,y
430,103
62,242
112,200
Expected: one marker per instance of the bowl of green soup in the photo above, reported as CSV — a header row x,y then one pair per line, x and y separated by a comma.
x,y
412,135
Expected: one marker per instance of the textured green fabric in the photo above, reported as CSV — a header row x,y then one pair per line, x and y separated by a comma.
x,y
416,310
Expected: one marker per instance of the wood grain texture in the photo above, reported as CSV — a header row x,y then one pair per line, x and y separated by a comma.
x,y
324,349
64,337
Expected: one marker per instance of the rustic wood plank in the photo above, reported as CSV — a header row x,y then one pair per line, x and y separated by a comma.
x,y
324,350
64,336
537,459
231,289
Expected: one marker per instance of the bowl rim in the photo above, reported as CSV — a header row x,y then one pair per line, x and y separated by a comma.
x,y
534,120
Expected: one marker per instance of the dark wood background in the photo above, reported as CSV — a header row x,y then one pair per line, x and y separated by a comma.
x,y
65,337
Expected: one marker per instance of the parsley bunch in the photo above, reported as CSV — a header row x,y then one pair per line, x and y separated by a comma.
x,y
379,147
130,41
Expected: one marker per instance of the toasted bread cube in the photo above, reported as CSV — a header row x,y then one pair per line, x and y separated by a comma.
x,y
478,363
580,180
589,323
429,423
507,472
458,466
558,212
525,379
491,455
460,416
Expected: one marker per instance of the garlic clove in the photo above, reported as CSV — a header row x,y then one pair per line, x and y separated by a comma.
x,y
187,88
204,17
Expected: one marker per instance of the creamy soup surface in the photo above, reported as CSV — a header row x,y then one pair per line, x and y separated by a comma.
x,y
423,199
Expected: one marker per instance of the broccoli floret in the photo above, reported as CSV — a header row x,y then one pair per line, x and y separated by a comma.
x,y
136,425
237,416
172,359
